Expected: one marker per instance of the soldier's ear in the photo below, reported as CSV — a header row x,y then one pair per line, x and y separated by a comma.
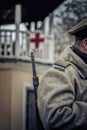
x,y
85,43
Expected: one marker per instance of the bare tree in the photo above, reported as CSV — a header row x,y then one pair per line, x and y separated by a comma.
x,y
75,10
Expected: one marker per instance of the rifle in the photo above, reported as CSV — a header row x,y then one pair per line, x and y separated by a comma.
x,y
35,85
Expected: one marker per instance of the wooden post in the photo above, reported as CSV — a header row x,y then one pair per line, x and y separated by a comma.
x,y
50,22
17,22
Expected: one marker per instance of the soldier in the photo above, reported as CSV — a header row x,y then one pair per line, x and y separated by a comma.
x,y
62,93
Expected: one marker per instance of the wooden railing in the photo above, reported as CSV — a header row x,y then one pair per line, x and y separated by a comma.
x,y
8,44
10,49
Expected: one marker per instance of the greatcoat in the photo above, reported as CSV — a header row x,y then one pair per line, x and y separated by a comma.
x,y
62,94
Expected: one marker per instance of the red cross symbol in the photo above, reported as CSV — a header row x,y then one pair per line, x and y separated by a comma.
x,y
37,40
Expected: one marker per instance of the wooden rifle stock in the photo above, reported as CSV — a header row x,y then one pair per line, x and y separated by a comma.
x,y
35,85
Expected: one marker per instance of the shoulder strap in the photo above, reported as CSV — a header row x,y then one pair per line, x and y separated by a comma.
x,y
62,64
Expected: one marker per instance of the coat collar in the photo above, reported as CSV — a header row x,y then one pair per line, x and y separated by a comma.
x,y
69,55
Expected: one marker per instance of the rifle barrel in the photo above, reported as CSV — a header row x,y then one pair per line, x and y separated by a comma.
x,y
35,77
33,64
35,84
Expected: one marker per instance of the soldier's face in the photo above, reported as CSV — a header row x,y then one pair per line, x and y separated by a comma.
x,y
85,45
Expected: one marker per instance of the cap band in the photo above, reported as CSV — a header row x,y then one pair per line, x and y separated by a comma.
x,y
81,34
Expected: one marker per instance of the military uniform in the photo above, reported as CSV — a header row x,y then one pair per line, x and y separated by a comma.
x,y
62,94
